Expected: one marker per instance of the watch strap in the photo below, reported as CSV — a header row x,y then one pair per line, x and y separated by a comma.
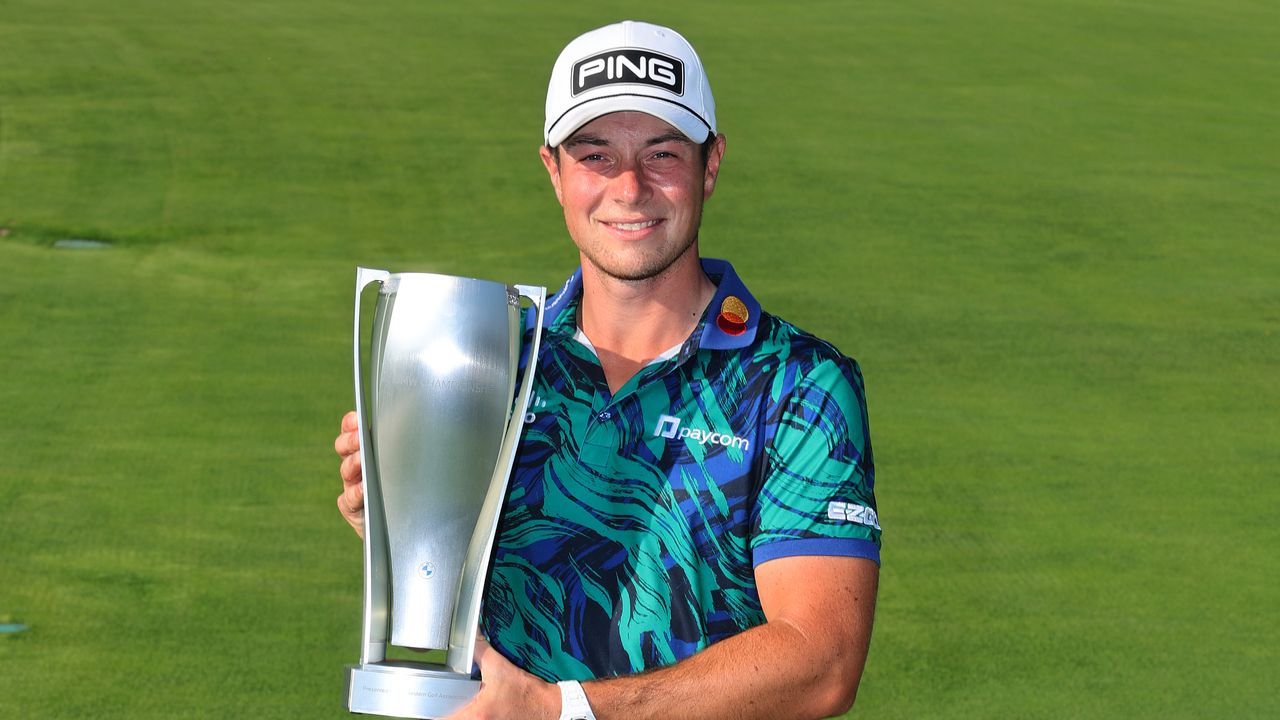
x,y
573,701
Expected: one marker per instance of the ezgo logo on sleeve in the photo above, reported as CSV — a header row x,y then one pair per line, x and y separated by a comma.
x,y
669,428
852,512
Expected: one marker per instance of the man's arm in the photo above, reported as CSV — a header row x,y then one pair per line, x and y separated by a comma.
x,y
805,661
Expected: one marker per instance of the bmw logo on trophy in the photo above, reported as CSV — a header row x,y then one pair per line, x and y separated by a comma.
x,y
439,421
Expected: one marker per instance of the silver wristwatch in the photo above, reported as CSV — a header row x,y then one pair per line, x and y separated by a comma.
x,y
573,702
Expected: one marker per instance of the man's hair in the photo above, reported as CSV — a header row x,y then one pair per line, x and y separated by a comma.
x,y
705,147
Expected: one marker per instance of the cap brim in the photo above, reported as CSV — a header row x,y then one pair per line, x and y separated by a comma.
x,y
673,113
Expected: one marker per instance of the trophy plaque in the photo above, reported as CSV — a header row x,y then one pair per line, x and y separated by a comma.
x,y
439,422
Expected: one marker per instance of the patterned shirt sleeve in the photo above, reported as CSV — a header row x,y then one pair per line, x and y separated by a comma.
x,y
817,492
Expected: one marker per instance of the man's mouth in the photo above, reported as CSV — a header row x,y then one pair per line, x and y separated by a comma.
x,y
633,225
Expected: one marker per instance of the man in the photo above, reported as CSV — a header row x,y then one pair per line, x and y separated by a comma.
x,y
690,528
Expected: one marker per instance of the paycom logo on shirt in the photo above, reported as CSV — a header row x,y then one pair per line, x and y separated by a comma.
x,y
670,428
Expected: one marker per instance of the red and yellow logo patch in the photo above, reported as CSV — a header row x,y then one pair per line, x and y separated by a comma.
x,y
733,316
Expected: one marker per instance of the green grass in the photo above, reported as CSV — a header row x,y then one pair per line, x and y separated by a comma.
x,y
1046,229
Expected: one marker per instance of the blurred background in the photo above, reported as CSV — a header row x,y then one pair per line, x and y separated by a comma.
x,y
1047,229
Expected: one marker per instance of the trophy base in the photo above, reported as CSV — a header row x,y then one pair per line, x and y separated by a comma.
x,y
404,689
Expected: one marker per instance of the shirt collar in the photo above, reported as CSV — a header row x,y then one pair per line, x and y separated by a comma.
x,y
716,330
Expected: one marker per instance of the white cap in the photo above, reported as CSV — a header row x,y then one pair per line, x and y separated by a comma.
x,y
629,66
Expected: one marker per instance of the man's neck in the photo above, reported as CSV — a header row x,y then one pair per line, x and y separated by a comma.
x,y
630,322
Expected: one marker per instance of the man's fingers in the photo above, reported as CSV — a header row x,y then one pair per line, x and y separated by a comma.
x,y
348,440
347,443
353,515
351,501
350,469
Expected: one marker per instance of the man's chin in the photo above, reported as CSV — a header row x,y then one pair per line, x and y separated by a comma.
x,y
639,267
641,270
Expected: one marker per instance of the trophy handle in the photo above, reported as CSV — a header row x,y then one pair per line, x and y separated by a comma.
x,y
373,645
466,617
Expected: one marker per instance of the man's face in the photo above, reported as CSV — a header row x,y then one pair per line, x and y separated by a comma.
x,y
632,189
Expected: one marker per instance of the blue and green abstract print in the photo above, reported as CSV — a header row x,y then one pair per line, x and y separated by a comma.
x,y
634,521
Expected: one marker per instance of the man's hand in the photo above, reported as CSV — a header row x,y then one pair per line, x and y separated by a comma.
x,y
351,501
506,691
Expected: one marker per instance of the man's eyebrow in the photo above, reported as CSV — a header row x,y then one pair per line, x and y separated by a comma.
x,y
670,137
586,139
589,139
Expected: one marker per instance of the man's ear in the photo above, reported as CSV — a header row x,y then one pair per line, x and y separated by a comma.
x,y
552,164
714,156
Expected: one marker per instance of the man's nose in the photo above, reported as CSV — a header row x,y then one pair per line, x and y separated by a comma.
x,y
630,185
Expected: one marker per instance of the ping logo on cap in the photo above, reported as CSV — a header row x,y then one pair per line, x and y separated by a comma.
x,y
628,66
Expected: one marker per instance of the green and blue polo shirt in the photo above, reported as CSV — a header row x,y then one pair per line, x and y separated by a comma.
x,y
634,520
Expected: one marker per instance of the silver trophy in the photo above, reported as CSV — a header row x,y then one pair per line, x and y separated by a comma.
x,y
438,432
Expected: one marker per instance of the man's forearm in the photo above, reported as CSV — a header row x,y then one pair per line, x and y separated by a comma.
x,y
769,672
